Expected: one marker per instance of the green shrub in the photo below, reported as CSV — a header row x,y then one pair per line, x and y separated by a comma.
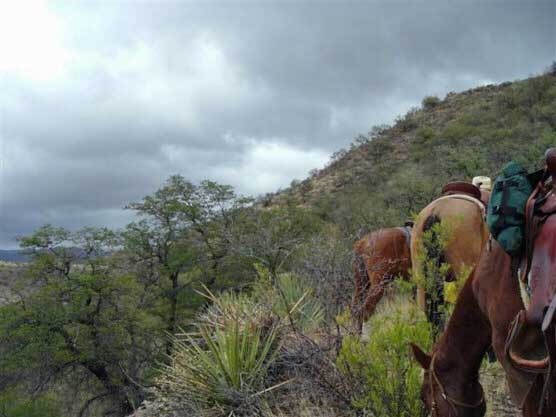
x,y
430,102
459,131
389,380
290,298
230,307
424,135
408,121
15,404
222,369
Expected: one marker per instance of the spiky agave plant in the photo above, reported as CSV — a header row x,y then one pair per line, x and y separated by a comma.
x,y
229,306
222,370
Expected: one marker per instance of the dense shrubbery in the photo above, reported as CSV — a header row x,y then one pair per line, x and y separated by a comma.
x,y
223,368
430,102
93,308
16,404
386,380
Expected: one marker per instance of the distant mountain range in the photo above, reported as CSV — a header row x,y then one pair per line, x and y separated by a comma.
x,y
13,255
20,256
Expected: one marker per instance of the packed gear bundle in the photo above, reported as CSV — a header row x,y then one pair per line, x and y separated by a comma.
x,y
506,209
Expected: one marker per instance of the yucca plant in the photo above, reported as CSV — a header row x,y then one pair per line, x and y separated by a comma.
x,y
230,307
223,370
295,300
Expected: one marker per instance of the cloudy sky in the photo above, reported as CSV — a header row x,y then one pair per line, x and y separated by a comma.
x,y
102,101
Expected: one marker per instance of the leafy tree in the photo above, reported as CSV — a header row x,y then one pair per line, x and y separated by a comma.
x,y
272,236
180,240
78,314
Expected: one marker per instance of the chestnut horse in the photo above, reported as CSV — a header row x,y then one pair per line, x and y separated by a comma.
x,y
460,212
493,310
380,256
486,307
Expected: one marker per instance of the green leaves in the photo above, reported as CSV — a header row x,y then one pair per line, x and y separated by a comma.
x,y
79,314
294,301
223,368
389,380
17,404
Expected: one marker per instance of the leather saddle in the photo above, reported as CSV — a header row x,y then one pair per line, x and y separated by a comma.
x,y
540,229
461,187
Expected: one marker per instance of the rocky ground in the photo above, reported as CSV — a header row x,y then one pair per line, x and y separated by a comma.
x,y
496,390
8,276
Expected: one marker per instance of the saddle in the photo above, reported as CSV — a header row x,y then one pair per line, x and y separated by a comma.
x,y
461,187
531,343
540,206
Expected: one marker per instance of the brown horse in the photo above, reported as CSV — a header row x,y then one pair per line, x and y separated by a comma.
x,y
451,385
486,307
380,256
457,243
491,311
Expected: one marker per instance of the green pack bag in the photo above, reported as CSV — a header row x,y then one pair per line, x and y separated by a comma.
x,y
506,207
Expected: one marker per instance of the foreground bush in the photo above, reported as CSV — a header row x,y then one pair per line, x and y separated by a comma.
x,y
16,404
388,380
295,300
222,371
290,298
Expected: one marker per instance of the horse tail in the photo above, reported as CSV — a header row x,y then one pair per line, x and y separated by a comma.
x,y
435,257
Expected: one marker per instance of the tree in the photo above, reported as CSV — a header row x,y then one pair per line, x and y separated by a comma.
x,y
78,314
272,236
180,240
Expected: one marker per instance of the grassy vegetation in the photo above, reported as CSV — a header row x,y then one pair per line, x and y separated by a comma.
x,y
386,379
395,170
223,367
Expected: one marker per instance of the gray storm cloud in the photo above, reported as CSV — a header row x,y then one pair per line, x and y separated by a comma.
x,y
102,101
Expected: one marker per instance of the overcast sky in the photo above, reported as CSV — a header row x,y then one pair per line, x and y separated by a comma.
x,y
101,101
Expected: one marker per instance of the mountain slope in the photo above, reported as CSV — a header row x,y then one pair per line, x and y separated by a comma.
x,y
397,169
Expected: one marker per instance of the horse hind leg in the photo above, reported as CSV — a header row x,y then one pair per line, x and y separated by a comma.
x,y
375,294
362,285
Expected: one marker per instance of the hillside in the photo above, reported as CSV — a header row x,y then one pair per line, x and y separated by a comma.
x,y
403,166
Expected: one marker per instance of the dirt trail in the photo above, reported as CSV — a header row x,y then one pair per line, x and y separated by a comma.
x,y
496,391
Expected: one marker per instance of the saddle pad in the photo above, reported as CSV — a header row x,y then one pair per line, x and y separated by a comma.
x,y
467,198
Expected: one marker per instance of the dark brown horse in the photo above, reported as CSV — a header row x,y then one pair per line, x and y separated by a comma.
x,y
483,315
490,310
451,385
379,257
